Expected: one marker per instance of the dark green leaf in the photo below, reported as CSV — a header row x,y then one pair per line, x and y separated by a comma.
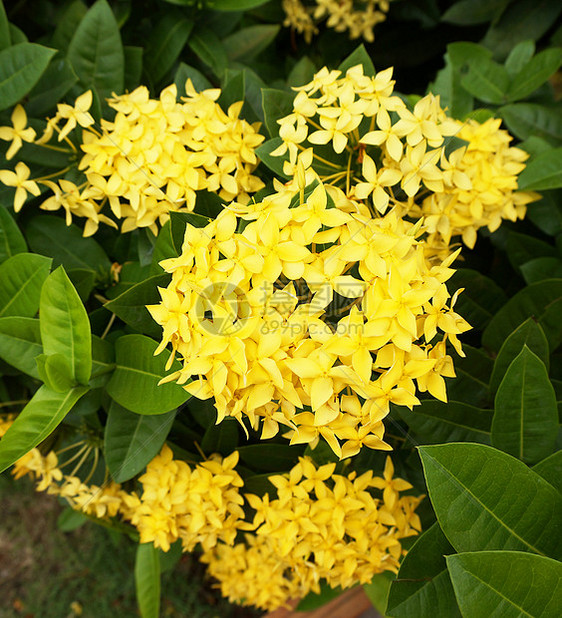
x,y
302,72
11,239
436,421
422,587
232,90
268,457
507,584
130,306
96,52
236,5
36,421
163,249
65,327
546,214
542,172
275,164
535,73
185,72
178,222
147,580
542,268
83,280
247,43
103,358
210,50
519,56
470,12
165,43
70,520
21,66
20,343
5,40
533,120
486,499
551,470
487,81
525,421
134,383
359,56
533,301
132,440
452,95
529,334
463,53
21,279
521,248
473,375
55,82
67,23
276,105
378,589
221,438
133,66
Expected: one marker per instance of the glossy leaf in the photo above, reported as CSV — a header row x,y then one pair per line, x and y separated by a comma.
x,y
21,280
302,72
185,72
36,421
275,164
533,301
165,43
551,470
247,43
20,343
147,580
55,82
526,416
359,56
11,239
435,421
5,40
133,66
506,583
532,119
96,52
529,334
221,438
55,371
65,327
470,12
521,248
422,587
542,172
134,383
233,90
448,86
67,24
132,440
534,73
541,268
473,376
486,499
519,56
21,66
276,104
546,214
487,81
210,50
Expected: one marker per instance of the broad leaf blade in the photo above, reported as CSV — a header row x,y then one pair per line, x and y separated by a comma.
x,y
11,239
21,279
147,580
20,343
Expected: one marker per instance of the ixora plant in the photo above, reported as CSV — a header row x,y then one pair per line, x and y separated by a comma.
x,y
241,338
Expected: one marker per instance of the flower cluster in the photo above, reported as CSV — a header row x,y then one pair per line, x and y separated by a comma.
x,y
198,505
321,526
314,316
151,158
358,17
356,133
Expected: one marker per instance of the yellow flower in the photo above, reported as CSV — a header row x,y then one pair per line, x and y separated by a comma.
x,y
76,114
20,180
17,133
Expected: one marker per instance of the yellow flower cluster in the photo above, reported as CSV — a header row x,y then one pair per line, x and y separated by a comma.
x,y
151,158
198,505
355,133
358,17
314,316
321,526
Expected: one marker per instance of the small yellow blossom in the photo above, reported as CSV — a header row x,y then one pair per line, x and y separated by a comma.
x,y
20,180
18,132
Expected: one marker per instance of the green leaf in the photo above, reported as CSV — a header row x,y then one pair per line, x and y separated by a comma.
x,y
5,40
21,66
64,323
519,56
51,236
487,81
275,164
246,43
133,66
529,334
378,589
134,383
96,52
535,300
448,86
130,306
21,279
525,19
232,91
422,587
546,214
551,470
542,172
535,73
481,298
11,239
541,268
179,221
525,421
147,580
17,35
507,584
70,520
67,23
36,421
473,376
20,343
132,440
276,105
315,600
533,120
471,12
56,372
55,82
165,43
163,249
185,72
521,248
236,5
486,499
463,53
301,73
359,56
221,438
268,457
436,421
210,50
103,359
